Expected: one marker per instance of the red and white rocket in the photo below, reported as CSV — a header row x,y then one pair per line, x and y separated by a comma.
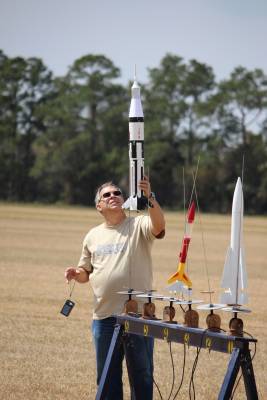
x,y
180,276
234,279
136,200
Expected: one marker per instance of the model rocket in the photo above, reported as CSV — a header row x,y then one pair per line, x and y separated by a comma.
x,y
136,200
180,275
234,279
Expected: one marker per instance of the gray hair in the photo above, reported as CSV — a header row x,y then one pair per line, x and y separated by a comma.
x,y
99,189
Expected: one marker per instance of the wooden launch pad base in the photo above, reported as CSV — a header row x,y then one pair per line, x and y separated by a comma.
x,y
213,322
169,314
236,326
130,306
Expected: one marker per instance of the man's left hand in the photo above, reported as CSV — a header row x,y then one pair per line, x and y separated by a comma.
x,y
144,185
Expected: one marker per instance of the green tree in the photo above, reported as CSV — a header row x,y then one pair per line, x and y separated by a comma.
x,y
84,131
240,104
175,118
254,154
197,85
24,85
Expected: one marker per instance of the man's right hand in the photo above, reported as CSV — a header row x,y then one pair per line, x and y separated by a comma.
x,y
71,273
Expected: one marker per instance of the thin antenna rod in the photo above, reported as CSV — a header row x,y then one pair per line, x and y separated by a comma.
x,y
130,250
194,181
203,244
135,76
243,167
187,265
239,234
238,261
148,177
191,197
184,200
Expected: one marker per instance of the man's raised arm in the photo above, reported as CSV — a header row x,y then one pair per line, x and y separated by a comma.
x,y
155,211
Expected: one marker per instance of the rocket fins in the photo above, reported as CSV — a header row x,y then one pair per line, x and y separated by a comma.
x,y
135,203
242,298
130,203
181,276
227,297
186,280
175,287
174,278
242,282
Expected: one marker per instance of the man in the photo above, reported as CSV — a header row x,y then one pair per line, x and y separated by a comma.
x,y
117,255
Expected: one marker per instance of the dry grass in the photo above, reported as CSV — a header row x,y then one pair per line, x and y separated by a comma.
x,y
47,356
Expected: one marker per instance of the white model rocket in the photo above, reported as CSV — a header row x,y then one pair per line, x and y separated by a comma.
x,y
136,200
234,279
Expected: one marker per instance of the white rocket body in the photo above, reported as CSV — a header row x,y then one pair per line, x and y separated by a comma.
x,y
136,200
234,279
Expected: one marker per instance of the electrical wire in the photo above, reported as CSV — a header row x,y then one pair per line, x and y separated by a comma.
x,y
158,389
182,378
173,371
152,368
182,308
191,383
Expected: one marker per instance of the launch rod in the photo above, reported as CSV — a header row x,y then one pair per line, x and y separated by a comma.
x,y
240,222
239,241
204,247
194,181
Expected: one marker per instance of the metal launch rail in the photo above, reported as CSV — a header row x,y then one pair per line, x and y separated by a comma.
x,y
237,347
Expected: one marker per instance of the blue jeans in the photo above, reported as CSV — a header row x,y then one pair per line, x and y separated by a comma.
x,y
139,357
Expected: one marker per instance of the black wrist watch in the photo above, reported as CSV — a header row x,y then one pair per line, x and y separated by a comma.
x,y
152,196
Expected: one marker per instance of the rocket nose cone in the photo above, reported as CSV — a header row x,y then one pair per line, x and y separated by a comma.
x,y
136,110
238,186
238,182
238,196
135,85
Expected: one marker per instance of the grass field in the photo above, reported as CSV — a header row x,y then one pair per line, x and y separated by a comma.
x,y
47,356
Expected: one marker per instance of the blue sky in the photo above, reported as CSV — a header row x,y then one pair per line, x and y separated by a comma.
x,y
223,34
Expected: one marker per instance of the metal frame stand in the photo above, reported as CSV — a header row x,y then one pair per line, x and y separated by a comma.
x,y
237,346
105,377
239,358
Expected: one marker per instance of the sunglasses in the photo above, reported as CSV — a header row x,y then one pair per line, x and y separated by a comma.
x,y
108,194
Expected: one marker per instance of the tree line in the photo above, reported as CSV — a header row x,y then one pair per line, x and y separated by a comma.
x,y
61,137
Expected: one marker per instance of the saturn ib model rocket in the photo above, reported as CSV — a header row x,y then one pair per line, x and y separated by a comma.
x,y
234,279
136,200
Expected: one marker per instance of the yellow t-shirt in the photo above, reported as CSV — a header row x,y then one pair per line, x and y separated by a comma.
x,y
119,258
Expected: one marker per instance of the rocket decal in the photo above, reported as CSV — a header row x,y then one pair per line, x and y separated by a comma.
x,y
180,275
234,279
136,200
